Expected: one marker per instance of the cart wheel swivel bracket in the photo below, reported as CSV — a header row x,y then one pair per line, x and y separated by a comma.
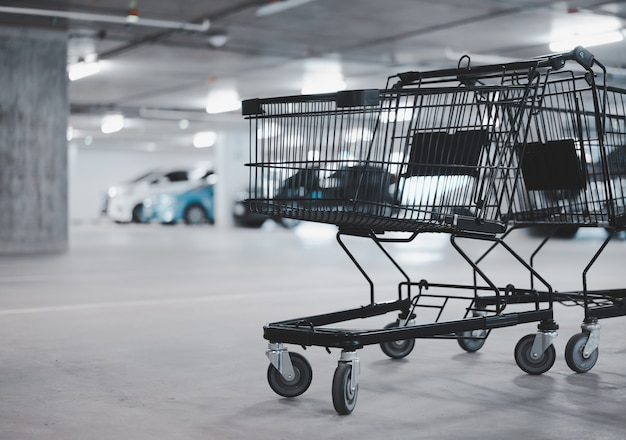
x,y
350,357
279,358
543,339
593,330
408,322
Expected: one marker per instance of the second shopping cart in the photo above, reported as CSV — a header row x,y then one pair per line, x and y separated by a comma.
x,y
434,152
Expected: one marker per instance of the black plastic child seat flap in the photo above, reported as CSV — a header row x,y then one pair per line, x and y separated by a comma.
x,y
443,153
552,165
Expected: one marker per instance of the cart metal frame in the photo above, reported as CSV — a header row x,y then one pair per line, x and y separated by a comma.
x,y
334,159
578,113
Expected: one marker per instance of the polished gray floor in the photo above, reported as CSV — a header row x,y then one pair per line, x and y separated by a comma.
x,y
150,332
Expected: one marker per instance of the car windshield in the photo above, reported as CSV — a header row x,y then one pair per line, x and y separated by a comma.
x,y
177,176
199,173
148,176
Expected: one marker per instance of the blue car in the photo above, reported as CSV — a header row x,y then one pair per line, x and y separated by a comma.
x,y
192,207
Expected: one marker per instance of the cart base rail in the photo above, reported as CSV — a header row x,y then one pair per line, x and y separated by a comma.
x,y
311,330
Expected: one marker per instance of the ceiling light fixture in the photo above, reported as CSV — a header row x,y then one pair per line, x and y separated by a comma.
x,y
586,40
323,75
584,29
112,123
222,101
217,39
133,12
276,6
323,84
82,69
204,139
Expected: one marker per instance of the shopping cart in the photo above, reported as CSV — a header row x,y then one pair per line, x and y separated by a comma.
x,y
574,175
433,152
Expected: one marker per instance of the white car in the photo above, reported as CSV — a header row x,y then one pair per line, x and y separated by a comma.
x,y
124,202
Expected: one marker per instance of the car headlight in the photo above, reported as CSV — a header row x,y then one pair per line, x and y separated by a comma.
x,y
168,215
239,209
166,200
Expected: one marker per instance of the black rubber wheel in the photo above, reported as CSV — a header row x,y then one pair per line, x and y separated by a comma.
x,y
344,397
472,341
397,349
196,215
574,354
529,364
303,375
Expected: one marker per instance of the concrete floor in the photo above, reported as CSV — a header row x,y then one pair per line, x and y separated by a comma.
x,y
149,332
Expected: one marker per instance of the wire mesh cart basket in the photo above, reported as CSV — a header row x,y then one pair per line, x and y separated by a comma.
x,y
446,151
573,174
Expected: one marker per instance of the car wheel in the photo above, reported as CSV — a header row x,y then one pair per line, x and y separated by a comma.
x,y
566,231
195,215
563,231
249,223
137,214
243,217
288,223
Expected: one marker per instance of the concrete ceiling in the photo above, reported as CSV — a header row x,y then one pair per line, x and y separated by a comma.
x,y
158,73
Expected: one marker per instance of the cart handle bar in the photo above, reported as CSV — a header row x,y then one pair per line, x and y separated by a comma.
x,y
557,61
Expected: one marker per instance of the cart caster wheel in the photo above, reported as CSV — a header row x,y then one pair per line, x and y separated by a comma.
x,y
472,341
574,354
296,386
397,349
529,364
344,397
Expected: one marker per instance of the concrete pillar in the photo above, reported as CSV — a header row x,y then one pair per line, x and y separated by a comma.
x,y
33,145
232,153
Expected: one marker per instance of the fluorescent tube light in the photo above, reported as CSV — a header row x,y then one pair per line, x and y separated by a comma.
x,y
204,139
323,85
222,101
82,70
588,40
276,6
112,123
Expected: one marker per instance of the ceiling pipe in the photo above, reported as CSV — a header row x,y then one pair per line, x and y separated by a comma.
x,y
83,16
